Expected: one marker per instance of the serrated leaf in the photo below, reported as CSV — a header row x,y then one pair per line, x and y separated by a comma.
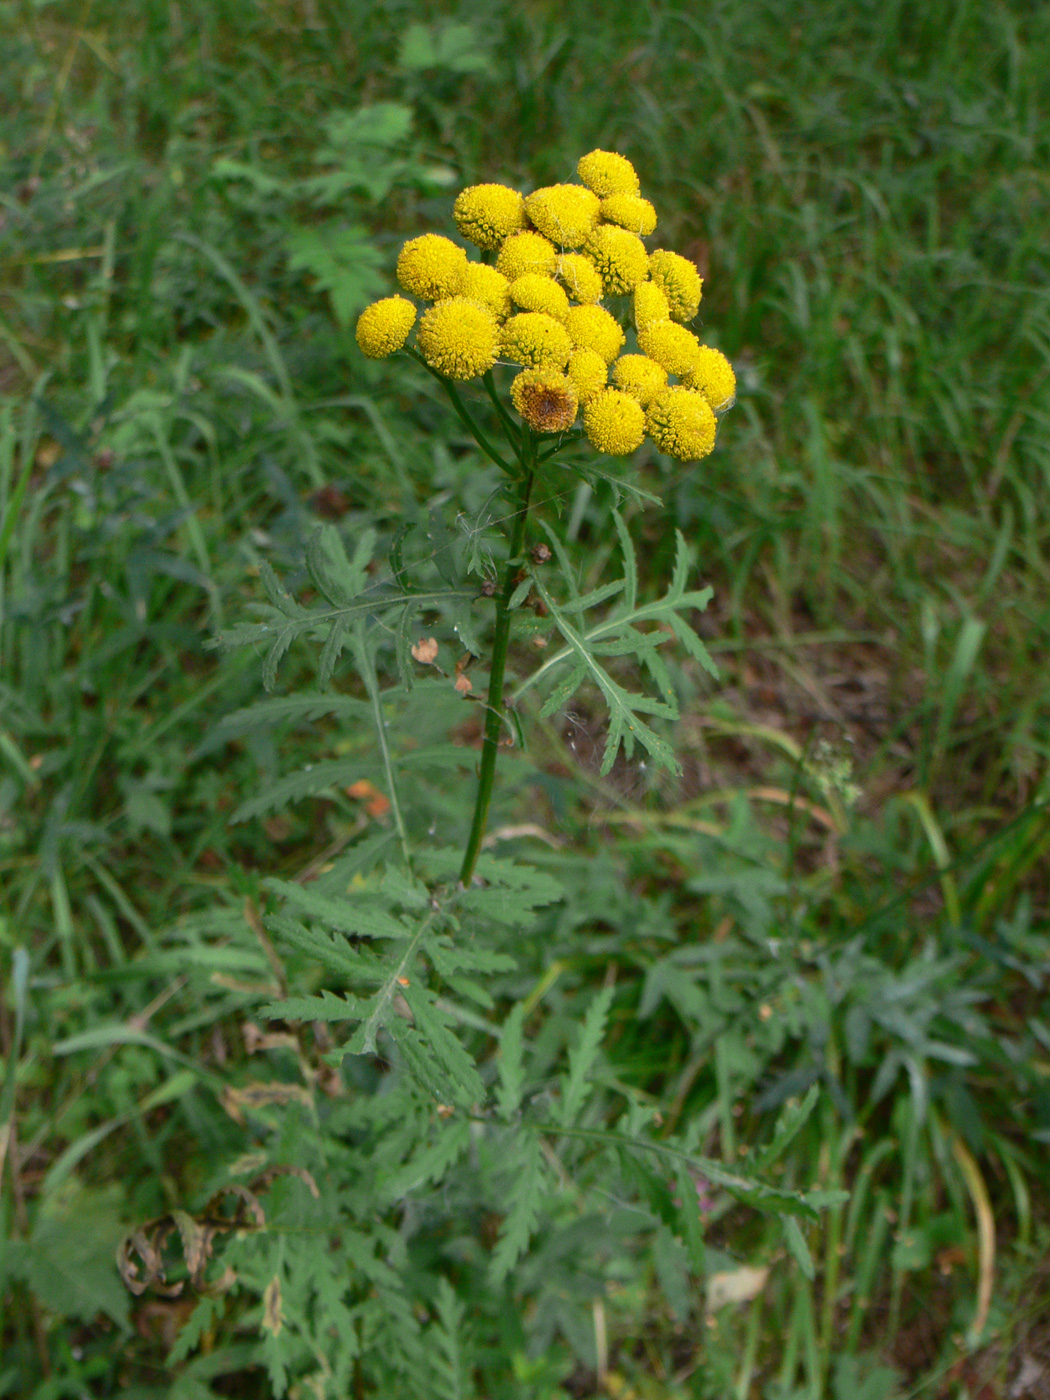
x,y
430,1164
464,626
343,261
380,1009
349,914
520,1221
434,1027
331,652
339,578
575,1089
324,1007
689,1208
282,642
301,709
68,1260
308,782
790,1123
332,952
511,1063
452,45
520,593
195,1328
626,727
452,1383
564,691
279,598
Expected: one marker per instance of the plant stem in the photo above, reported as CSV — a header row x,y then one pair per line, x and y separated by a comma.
x,y
494,705
463,415
510,428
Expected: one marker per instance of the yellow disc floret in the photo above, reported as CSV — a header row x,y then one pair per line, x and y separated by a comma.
x,y
383,327
670,345
526,252
580,278
681,423
614,422
535,340
607,173
631,212
639,376
650,305
430,266
713,376
563,213
546,399
535,292
588,371
486,214
594,328
482,283
680,281
619,256
459,338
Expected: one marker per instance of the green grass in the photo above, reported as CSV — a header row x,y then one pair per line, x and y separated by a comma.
x,y
864,188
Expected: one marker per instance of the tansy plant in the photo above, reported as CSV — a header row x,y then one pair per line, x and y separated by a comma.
x,y
442,1112
555,257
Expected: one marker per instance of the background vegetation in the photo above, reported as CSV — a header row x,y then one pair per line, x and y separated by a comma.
x,y
847,886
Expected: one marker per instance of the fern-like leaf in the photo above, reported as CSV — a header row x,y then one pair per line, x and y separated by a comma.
x,y
520,1222
451,1372
511,1063
629,630
575,1089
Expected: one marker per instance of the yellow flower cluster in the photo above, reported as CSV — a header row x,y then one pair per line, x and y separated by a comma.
x,y
552,258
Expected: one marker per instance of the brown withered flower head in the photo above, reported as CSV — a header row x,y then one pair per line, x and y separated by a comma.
x,y
546,399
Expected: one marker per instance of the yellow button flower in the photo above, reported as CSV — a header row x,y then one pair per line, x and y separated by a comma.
x,y
680,281
563,213
713,376
639,376
650,305
383,327
670,345
607,173
429,267
526,252
535,292
619,256
594,328
681,423
631,212
535,340
588,371
459,338
482,283
486,214
546,399
580,278
614,422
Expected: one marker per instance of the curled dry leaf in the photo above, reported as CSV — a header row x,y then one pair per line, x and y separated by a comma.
x,y
425,651
273,1313
141,1253
236,1099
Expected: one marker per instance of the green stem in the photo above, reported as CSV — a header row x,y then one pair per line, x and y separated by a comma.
x,y
510,428
464,417
494,705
